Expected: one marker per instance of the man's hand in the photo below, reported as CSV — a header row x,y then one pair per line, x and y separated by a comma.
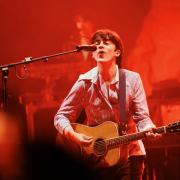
x,y
78,138
151,135
81,139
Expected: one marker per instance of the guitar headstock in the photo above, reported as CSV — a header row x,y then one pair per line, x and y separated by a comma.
x,y
173,127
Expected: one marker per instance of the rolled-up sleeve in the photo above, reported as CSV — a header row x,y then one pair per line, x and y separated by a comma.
x,y
141,111
70,107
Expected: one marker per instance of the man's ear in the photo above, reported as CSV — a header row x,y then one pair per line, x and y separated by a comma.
x,y
118,52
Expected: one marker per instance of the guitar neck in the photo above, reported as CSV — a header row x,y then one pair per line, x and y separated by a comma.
x,y
113,142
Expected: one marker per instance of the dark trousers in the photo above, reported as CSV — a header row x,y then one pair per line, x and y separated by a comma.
x,y
130,170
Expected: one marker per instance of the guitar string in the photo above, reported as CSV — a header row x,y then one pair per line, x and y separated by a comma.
x,y
118,140
101,143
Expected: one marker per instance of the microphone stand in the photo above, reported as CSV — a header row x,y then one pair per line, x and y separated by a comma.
x,y
27,60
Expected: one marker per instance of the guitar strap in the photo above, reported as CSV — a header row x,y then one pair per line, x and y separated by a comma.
x,y
122,100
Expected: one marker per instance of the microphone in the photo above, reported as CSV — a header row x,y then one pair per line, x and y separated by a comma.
x,y
86,47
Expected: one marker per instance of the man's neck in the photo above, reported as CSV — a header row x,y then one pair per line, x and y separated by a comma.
x,y
107,70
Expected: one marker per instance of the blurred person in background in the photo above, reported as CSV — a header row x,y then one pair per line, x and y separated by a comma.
x,y
11,154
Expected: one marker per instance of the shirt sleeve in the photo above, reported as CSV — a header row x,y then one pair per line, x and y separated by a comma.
x,y
70,108
141,111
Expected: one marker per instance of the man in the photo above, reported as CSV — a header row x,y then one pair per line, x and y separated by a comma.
x,y
98,93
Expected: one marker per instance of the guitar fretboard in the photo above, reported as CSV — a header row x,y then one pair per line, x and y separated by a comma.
x,y
111,143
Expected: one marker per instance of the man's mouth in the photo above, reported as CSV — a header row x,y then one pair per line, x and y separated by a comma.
x,y
101,52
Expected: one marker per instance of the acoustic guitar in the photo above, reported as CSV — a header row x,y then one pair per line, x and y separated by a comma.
x,y
105,148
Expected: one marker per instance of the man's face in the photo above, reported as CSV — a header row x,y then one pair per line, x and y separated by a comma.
x,y
106,50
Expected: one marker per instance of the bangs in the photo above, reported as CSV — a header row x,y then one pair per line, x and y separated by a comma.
x,y
106,35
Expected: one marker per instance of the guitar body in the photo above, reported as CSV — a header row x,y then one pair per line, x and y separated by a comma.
x,y
106,157
101,132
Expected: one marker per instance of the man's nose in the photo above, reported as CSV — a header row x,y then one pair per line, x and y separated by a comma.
x,y
101,45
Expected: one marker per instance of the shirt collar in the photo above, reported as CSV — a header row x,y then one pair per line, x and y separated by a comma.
x,y
116,79
93,76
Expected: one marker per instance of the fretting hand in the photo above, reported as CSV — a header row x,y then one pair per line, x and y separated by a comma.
x,y
152,135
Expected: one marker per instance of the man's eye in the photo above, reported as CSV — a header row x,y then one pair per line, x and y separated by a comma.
x,y
106,42
97,43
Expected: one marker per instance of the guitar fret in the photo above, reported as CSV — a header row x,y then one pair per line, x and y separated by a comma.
x,y
160,130
165,129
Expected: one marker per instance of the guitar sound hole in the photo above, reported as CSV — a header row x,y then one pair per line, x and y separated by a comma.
x,y
99,147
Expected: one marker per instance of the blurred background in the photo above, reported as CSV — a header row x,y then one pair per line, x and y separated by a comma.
x,y
150,30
